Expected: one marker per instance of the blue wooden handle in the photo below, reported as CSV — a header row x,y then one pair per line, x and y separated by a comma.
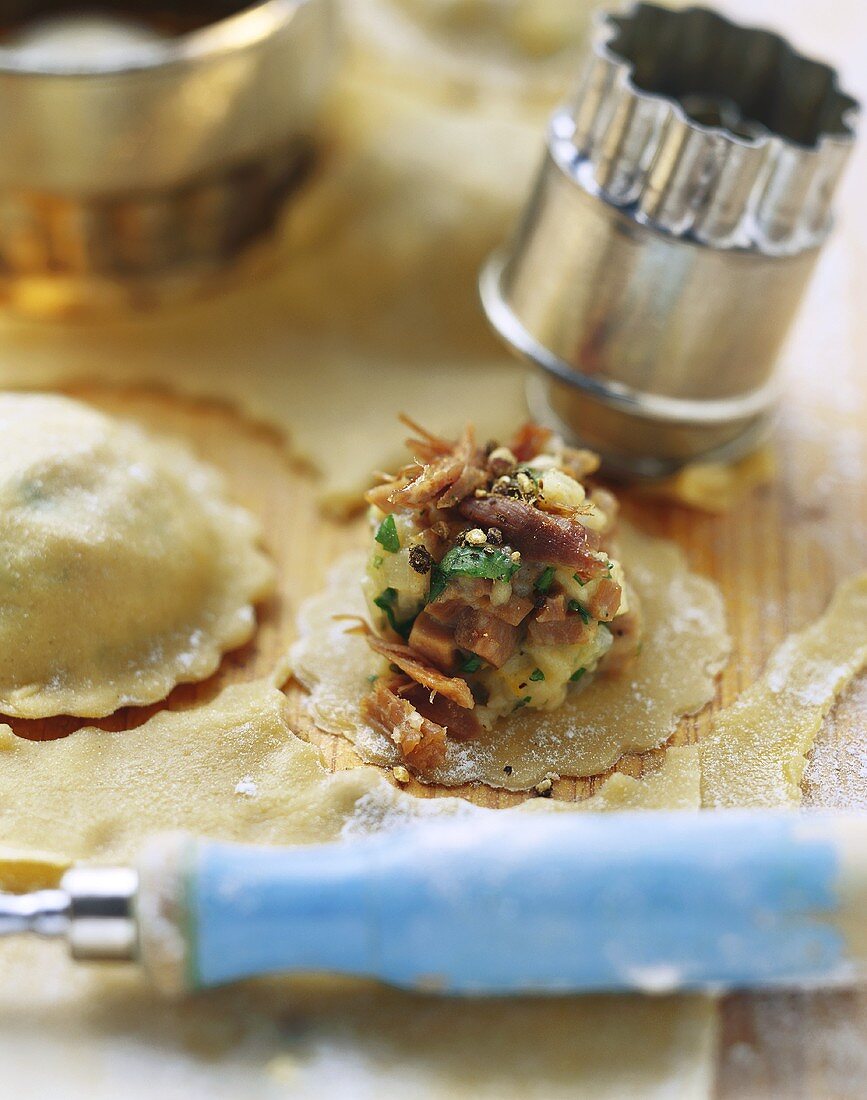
x,y
542,903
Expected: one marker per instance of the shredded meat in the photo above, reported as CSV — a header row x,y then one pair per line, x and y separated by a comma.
x,y
421,741
436,475
529,441
487,636
434,641
459,723
379,495
605,601
471,478
425,444
538,536
424,673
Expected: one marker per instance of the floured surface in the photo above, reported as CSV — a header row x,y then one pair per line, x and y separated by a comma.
x,y
103,1035
233,769
685,645
755,754
124,568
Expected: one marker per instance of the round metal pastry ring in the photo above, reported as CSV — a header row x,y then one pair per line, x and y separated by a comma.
x,y
682,201
141,140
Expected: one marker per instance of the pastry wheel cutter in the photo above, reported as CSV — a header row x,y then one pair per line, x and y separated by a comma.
x,y
490,903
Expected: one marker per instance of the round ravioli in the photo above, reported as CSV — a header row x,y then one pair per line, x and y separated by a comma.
x,y
124,570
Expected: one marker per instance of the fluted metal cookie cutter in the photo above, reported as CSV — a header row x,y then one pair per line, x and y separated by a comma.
x,y
141,141
682,202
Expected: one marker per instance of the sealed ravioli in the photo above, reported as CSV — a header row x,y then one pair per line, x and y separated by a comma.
x,y
124,570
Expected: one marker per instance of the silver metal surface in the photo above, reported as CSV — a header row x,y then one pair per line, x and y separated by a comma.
x,y
44,913
94,909
102,922
682,201
133,146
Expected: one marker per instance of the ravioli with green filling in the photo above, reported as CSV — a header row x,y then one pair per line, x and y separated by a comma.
x,y
124,569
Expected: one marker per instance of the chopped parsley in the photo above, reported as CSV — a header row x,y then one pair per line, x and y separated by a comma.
x,y
386,536
521,703
372,679
471,664
385,602
543,581
472,561
574,605
577,674
576,577
537,674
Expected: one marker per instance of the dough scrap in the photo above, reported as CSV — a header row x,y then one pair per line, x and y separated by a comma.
x,y
685,646
756,752
123,569
104,1033
714,487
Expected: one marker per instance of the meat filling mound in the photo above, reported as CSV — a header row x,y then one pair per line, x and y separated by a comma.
x,y
491,586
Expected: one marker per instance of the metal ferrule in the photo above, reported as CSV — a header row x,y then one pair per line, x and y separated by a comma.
x,y
156,144
680,207
102,921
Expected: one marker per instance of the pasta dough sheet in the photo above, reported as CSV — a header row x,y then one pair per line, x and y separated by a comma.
x,y
685,646
234,770
124,568
756,752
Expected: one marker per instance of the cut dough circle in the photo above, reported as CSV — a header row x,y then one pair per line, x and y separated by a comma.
x,y
686,644
124,570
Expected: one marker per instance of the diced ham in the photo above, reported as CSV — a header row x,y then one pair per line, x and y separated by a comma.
x,y
487,636
604,603
434,641
554,624
569,631
459,724
447,610
420,670
553,610
514,611
457,597
537,535
421,741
